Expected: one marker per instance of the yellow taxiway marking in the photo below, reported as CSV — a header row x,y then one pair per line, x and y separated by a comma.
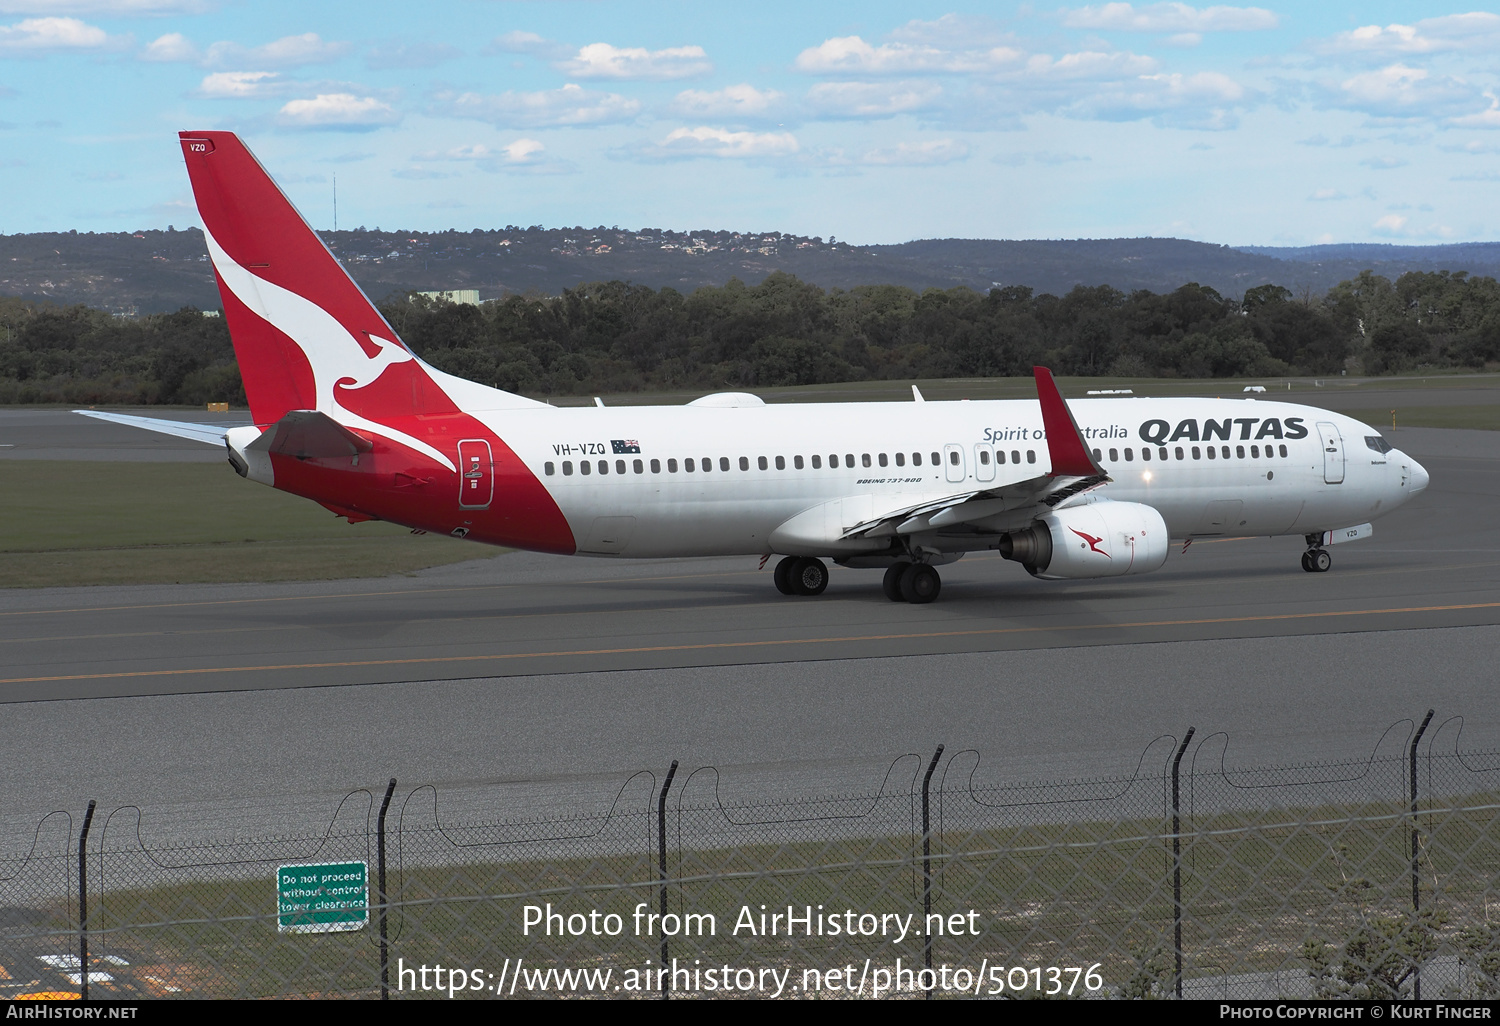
x,y
770,642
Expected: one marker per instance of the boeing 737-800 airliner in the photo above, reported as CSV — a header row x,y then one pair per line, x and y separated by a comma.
x,y
346,415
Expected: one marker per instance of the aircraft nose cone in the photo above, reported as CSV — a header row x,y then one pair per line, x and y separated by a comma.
x,y
1419,478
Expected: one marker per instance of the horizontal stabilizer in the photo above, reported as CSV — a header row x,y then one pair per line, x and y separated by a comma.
x,y
308,434
213,434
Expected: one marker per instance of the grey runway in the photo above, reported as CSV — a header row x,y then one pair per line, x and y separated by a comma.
x,y
514,747
554,677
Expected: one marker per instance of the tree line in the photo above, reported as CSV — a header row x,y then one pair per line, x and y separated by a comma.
x,y
617,337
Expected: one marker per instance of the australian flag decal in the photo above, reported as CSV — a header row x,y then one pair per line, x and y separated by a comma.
x,y
622,446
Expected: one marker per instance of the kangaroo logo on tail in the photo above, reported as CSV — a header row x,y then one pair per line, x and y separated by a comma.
x,y
339,363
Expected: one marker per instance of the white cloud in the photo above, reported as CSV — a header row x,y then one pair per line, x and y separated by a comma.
x,y
287,52
1326,195
908,154
1170,17
113,8
528,42
521,151
476,151
1400,91
871,99
524,151
1322,140
851,55
1484,119
240,85
410,55
1477,30
742,101
570,106
1383,163
1184,39
1089,64
719,142
338,111
953,31
1472,147
173,47
601,60
1400,226
1203,101
1045,157
527,156
37,36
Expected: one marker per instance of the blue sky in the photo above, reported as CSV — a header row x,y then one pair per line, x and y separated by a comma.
x,y
872,122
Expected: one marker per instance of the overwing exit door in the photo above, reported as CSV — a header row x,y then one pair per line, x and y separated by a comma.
x,y
953,462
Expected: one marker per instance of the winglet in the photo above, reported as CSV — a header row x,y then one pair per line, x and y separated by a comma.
x,y
1065,445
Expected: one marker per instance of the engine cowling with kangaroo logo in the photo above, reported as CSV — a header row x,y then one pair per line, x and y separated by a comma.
x,y
1096,539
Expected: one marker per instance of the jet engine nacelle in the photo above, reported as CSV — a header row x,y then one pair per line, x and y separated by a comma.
x,y
1099,539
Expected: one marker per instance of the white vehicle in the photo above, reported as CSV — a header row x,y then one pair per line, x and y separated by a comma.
x,y
349,417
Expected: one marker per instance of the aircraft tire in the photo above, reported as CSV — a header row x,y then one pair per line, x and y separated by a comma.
x,y
1320,560
810,576
1307,562
920,584
783,575
891,585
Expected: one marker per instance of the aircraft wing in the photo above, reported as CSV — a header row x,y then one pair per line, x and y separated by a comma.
x,y
213,434
1073,472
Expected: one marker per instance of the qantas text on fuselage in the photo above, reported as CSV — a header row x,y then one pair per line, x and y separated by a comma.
x,y
346,415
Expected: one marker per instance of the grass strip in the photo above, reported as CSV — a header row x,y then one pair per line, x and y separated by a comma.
x,y
71,523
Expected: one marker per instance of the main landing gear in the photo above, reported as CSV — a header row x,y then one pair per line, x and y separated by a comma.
x,y
1316,559
801,575
911,582
904,582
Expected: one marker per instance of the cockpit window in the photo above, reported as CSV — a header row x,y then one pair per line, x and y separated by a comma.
x,y
1377,443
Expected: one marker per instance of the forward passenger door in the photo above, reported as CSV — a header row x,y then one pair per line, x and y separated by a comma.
x,y
1333,452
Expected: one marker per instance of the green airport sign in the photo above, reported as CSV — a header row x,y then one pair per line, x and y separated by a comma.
x,y
322,897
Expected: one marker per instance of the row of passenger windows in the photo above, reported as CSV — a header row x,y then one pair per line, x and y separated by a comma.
x,y
1197,454
706,464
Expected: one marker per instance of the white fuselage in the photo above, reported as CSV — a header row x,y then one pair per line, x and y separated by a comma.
x,y
1265,468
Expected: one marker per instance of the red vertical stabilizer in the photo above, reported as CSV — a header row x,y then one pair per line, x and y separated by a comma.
x,y
305,335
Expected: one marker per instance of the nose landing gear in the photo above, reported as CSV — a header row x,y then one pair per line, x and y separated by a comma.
x,y
1316,560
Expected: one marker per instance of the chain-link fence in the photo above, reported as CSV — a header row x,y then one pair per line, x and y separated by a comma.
x,y
1186,878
